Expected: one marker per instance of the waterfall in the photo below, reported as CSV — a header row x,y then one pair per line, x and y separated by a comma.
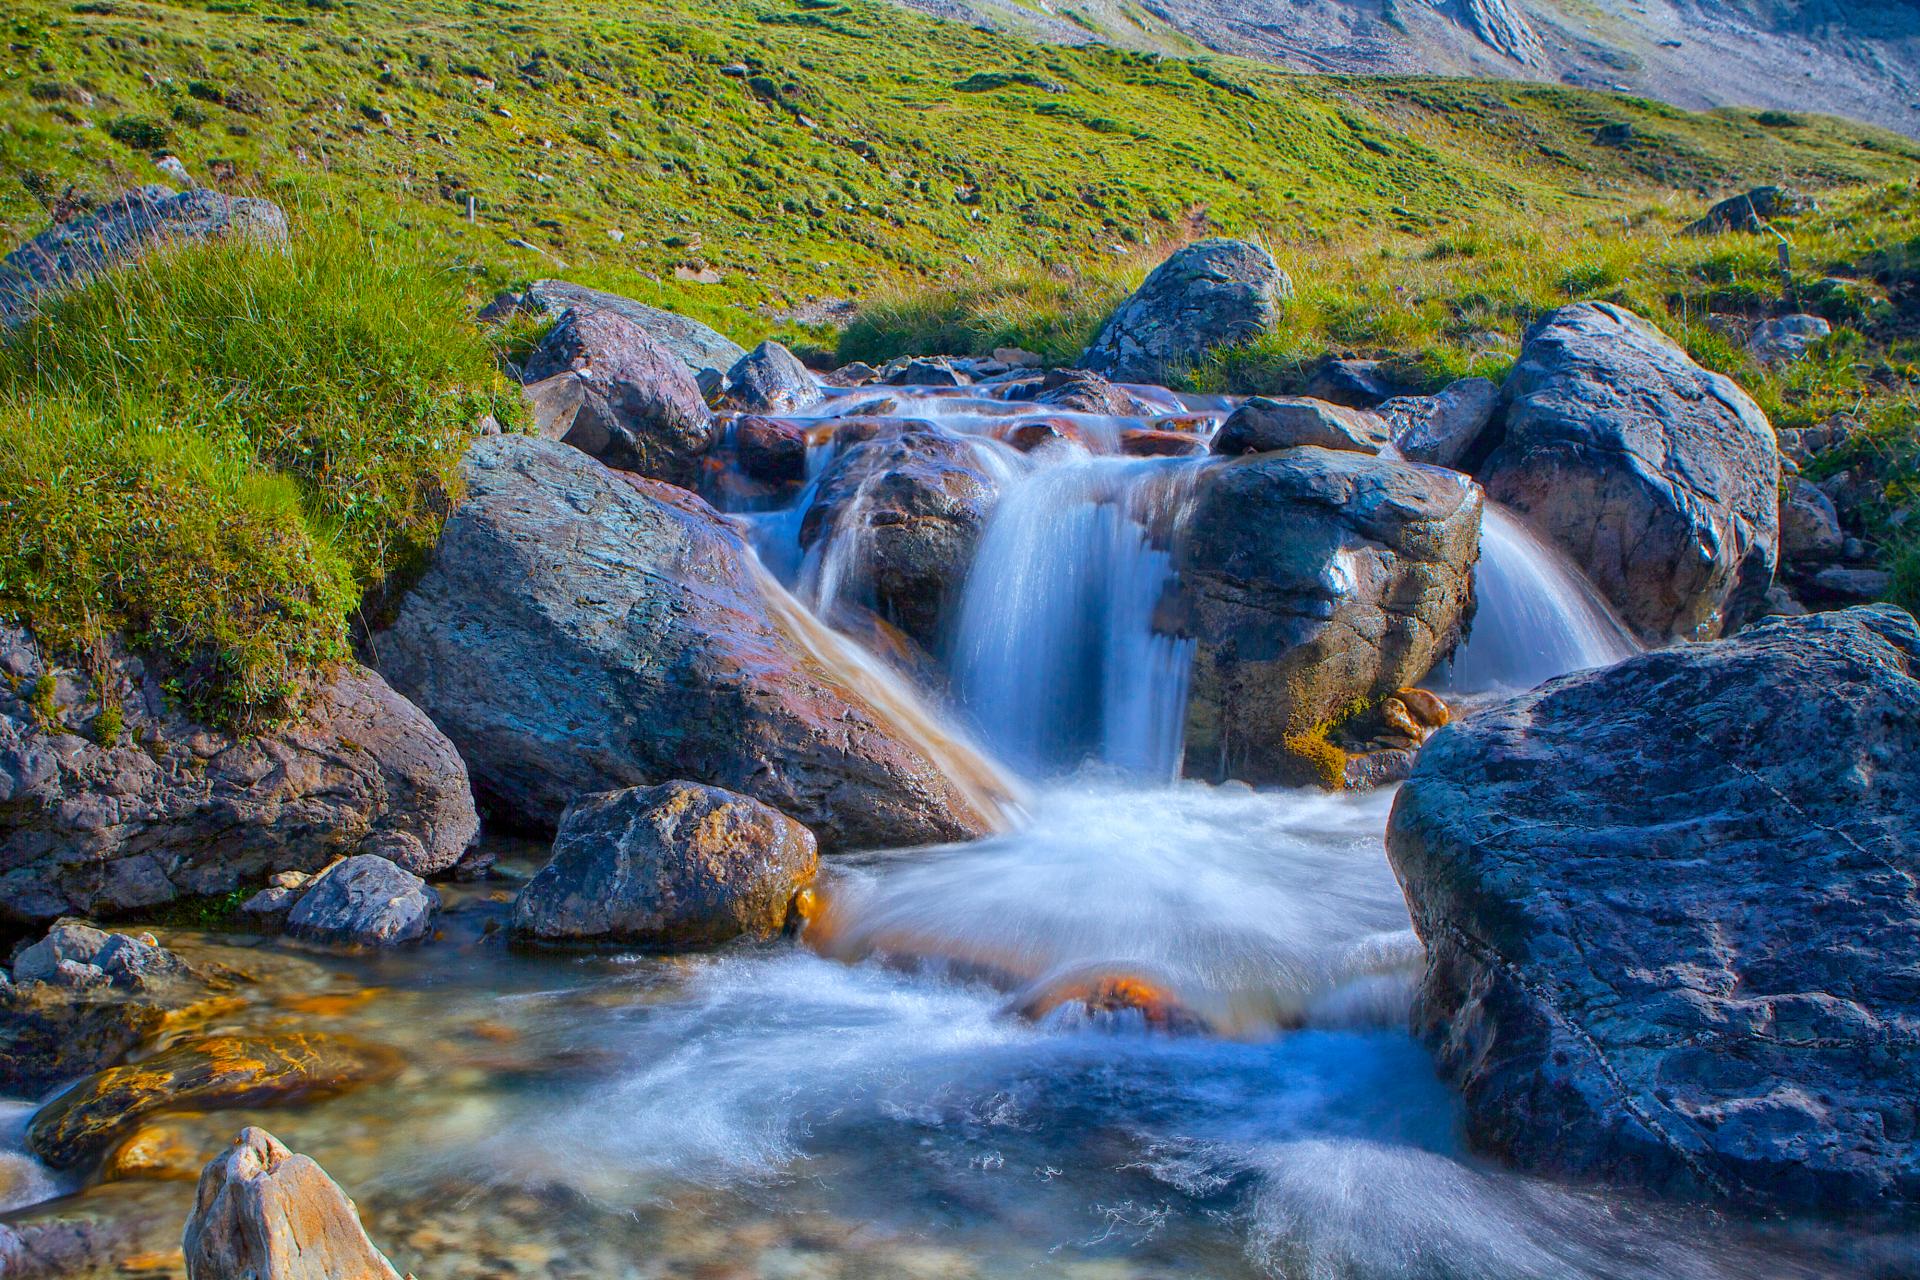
x,y
1538,617
1056,658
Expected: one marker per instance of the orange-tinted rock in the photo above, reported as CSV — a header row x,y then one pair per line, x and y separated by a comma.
x,y
1429,709
773,450
1108,994
1141,443
1034,433
264,1213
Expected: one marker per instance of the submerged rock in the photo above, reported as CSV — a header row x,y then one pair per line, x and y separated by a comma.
x,y
578,631
1659,478
366,902
701,349
1669,916
1314,580
127,227
1264,424
1213,294
600,384
671,867
264,1213
168,808
771,379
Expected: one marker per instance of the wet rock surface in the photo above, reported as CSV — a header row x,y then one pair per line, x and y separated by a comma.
x,y
1264,424
771,379
1670,920
671,867
580,632
264,1213
364,901
168,808
1660,479
1079,391
1207,295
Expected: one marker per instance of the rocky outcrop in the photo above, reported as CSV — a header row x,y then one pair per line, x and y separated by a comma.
x,y
1314,580
1505,28
94,822
1449,429
581,631
127,227
1264,424
699,348
1670,921
1660,479
1213,294
364,902
264,1213
599,383
907,512
1751,211
671,867
771,379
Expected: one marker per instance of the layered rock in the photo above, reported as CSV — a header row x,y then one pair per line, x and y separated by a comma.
x,y
1670,921
706,353
1264,424
1213,294
599,383
579,631
165,807
1315,581
669,867
1659,478
771,379
264,1213
364,902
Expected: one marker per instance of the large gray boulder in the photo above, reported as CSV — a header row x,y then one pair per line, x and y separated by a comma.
x,y
701,349
599,383
1660,479
1213,294
364,901
670,867
1314,580
770,379
910,509
98,819
580,630
127,227
1669,911
263,1213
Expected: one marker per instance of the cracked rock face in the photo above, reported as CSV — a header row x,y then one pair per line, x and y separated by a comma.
x,y
1212,294
1670,916
1659,478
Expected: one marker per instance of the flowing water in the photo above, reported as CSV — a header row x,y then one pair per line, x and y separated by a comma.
x,y
1156,1029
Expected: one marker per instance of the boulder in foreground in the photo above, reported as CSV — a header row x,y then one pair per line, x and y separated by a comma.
x,y
1670,920
669,867
264,1213
1213,294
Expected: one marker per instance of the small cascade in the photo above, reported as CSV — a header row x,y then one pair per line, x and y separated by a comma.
x,y
1537,618
1056,657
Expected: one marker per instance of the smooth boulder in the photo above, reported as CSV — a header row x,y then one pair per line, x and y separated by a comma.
x,y
263,1213
364,902
1314,580
671,867
599,383
1659,478
705,352
1216,293
771,379
97,824
579,631
1265,423
1670,920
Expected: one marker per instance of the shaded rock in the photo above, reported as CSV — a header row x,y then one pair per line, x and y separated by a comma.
x,y
264,1213
1660,479
1751,211
50,1034
857,374
600,384
127,227
364,901
269,907
205,1073
936,371
1784,339
1264,424
1080,391
1444,430
173,809
1842,585
579,631
1669,916
1313,579
61,1247
771,450
771,379
672,867
908,511
699,348
1356,384
1213,294
1809,527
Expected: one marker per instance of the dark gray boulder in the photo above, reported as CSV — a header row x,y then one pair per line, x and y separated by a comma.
x,y
771,379
599,383
1669,911
700,348
97,823
1448,429
1216,293
1810,533
1313,580
1264,424
127,227
580,630
671,867
364,901
1659,478
1357,384
1751,211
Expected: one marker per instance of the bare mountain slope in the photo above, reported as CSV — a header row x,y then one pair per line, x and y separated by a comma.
x,y
1858,58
